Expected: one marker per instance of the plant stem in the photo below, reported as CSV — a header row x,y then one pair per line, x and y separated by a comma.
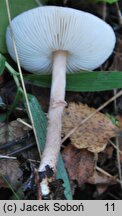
x,y
15,102
14,74
57,104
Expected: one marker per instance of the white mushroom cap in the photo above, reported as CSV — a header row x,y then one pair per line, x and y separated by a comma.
x,y
41,31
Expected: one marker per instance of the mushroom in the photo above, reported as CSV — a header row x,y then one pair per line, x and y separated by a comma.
x,y
60,40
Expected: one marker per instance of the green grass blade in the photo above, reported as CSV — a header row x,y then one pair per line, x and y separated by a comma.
x,y
2,64
19,193
16,7
61,173
40,123
15,102
85,81
106,1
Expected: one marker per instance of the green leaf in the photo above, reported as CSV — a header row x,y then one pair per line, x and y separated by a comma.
x,y
16,7
62,174
107,1
40,123
85,81
113,119
2,64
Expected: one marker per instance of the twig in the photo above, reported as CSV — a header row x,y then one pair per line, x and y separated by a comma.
x,y
104,11
23,122
119,13
19,140
117,143
15,158
107,174
115,197
118,161
65,2
7,157
114,146
38,3
21,149
115,102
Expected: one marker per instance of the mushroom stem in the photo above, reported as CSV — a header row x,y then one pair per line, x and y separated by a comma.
x,y
57,104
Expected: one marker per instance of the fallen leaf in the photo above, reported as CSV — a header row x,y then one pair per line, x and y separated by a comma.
x,y
100,189
79,164
100,178
94,133
11,173
101,181
12,131
14,137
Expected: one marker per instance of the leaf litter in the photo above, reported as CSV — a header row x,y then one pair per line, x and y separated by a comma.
x,y
86,142
94,134
80,164
13,137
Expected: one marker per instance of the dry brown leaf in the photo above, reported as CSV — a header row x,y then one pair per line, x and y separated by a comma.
x,y
94,133
11,131
101,181
79,164
9,170
109,151
100,178
100,189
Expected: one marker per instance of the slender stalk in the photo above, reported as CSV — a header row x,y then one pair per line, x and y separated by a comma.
x,y
14,74
57,104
